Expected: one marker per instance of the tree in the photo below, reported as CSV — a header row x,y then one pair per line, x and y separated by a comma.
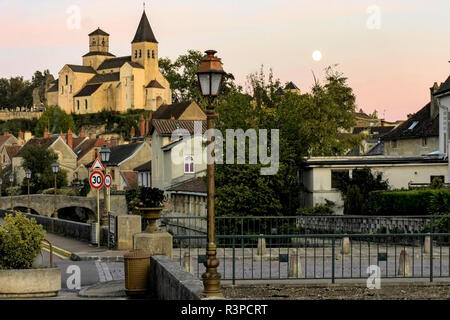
x,y
15,92
182,76
55,120
39,159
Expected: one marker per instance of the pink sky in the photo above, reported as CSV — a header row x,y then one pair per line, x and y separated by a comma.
x,y
390,69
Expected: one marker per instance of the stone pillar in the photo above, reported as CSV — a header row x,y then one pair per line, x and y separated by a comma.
x,y
156,243
345,245
261,250
295,265
404,264
127,227
187,262
427,245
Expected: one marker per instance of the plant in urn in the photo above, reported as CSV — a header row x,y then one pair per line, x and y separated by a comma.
x,y
149,203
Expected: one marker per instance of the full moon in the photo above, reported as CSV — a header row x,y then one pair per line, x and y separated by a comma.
x,y
317,55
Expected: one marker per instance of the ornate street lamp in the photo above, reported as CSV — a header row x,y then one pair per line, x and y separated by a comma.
x,y
11,180
28,175
105,154
210,77
55,169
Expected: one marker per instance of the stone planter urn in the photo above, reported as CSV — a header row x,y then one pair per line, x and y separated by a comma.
x,y
151,215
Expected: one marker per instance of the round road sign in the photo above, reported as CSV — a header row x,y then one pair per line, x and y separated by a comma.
x,y
108,181
96,180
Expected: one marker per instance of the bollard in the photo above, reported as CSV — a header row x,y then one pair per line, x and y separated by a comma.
x,y
345,249
187,262
261,251
295,265
427,245
404,264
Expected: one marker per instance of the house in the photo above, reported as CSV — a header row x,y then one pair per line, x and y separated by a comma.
x,y
107,82
174,159
442,95
87,151
189,110
122,162
364,120
7,141
144,175
290,87
67,159
372,138
188,198
320,174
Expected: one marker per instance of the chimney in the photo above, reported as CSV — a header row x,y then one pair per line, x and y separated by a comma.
x,y
62,136
46,133
434,108
27,135
142,126
172,118
20,135
82,133
70,138
133,132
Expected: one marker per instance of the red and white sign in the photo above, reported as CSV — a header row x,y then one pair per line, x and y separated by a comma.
x,y
108,181
97,166
96,180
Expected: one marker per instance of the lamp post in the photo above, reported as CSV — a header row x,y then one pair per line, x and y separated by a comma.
x,y
105,153
28,174
210,77
55,169
11,180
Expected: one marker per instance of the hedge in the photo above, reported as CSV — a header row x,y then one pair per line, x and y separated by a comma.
x,y
409,203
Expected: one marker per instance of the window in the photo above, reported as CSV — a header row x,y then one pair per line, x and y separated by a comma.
x,y
70,88
153,54
103,42
144,179
337,176
394,144
62,89
414,124
86,104
189,164
67,80
78,104
148,54
135,53
442,178
140,53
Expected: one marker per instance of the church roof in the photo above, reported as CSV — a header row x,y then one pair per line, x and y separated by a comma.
x,y
291,86
81,69
88,90
144,31
444,88
98,53
155,84
106,77
98,32
114,63
54,86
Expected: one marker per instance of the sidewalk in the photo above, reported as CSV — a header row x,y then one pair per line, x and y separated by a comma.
x,y
82,251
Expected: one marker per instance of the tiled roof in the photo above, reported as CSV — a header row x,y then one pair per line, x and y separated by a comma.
x,y
54,86
363,115
88,90
45,142
375,131
291,86
444,88
98,32
135,64
419,125
166,127
144,31
106,77
81,69
77,141
12,150
377,150
98,53
144,168
114,63
82,149
155,84
120,153
193,185
130,177
175,110
3,139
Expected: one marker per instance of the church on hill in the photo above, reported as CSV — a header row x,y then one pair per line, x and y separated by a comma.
x,y
107,82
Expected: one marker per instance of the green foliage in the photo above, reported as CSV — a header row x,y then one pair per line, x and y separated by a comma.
x,y
15,125
141,197
39,159
86,188
20,241
319,209
62,192
55,120
437,183
355,190
412,202
15,92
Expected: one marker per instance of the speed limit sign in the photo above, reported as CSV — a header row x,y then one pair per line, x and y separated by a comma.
x,y
108,181
96,180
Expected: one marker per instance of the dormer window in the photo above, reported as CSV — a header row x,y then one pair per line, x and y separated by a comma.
x,y
413,125
189,165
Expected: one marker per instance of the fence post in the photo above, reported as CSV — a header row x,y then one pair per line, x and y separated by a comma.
x,y
242,232
332,260
431,258
234,261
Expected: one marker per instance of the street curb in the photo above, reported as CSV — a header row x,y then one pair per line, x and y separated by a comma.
x,y
76,257
58,250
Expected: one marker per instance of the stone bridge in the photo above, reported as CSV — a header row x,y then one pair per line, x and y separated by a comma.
x,y
42,204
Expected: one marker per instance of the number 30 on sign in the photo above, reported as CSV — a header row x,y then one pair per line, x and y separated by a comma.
x,y
96,180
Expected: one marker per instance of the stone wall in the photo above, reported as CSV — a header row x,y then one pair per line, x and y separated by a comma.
x,y
10,115
169,281
366,224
